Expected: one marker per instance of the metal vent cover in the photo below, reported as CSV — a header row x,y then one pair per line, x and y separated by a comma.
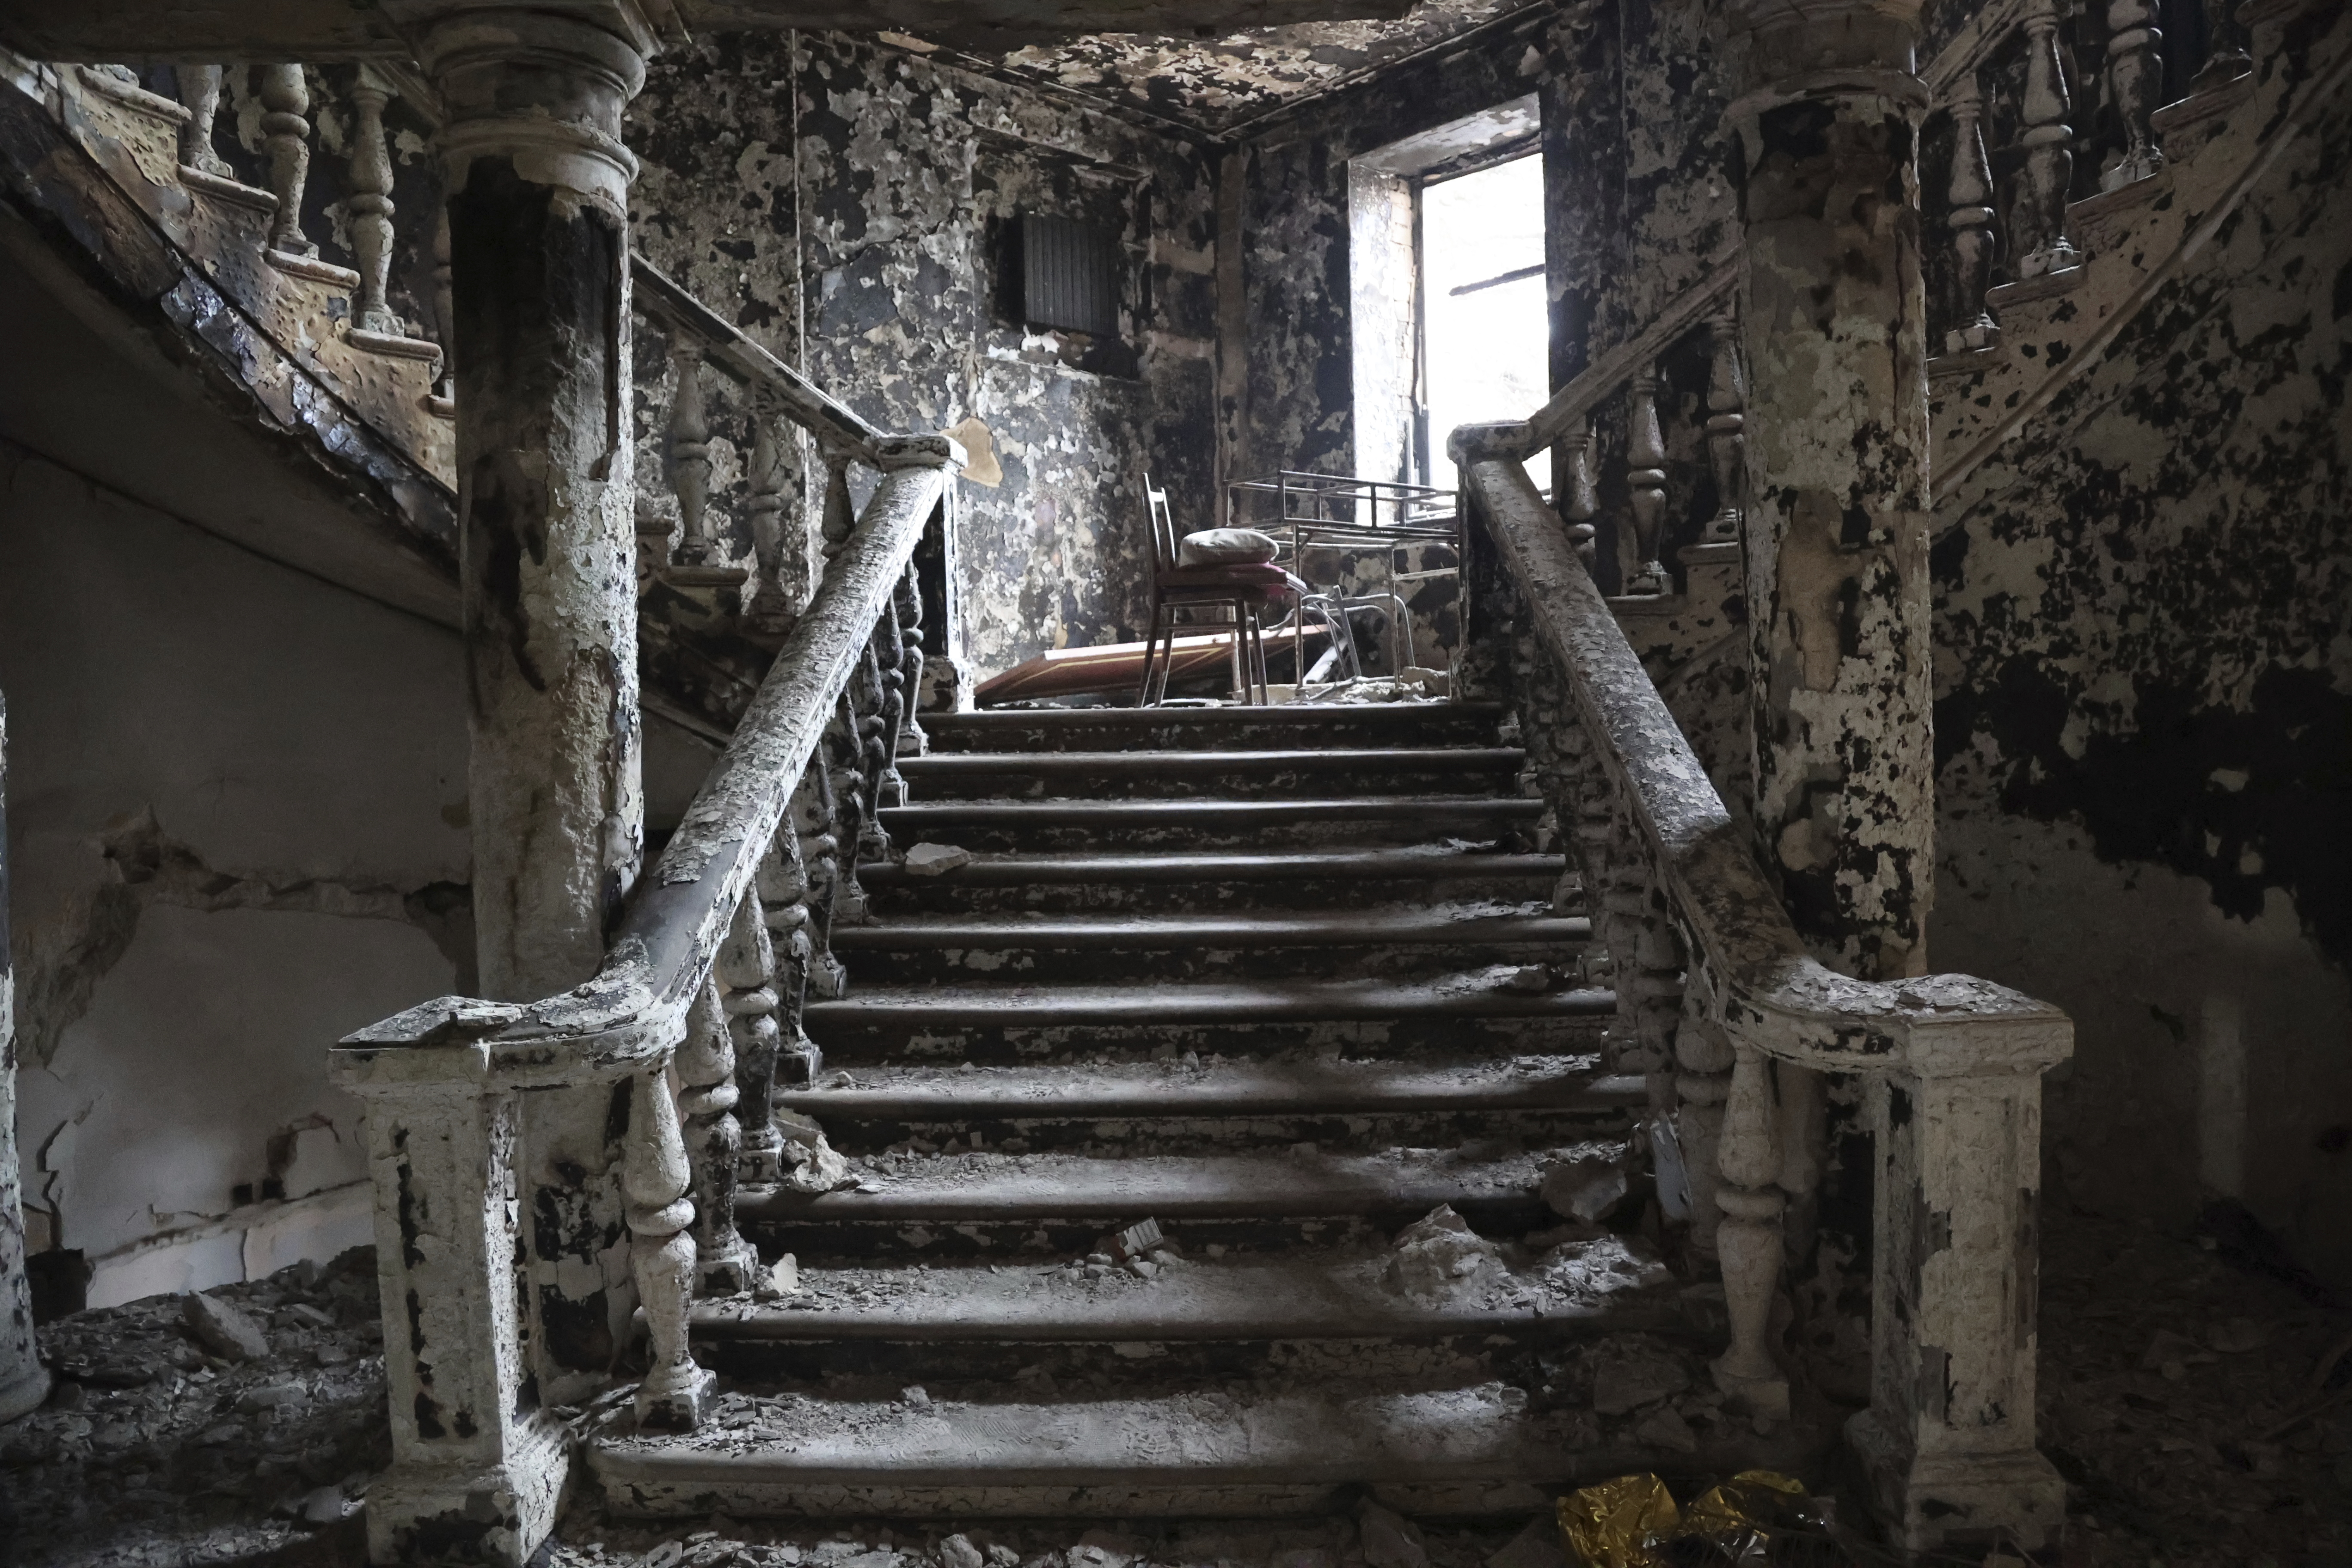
x,y
1069,275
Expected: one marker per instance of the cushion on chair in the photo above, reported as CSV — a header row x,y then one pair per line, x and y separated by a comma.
x,y
1225,547
1254,577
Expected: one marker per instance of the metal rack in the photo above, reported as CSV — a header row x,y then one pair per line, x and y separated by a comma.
x,y
1342,511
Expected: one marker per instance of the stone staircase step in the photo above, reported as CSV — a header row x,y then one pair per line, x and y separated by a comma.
x,y
1163,883
1285,1102
1389,942
1262,770
1325,1294
1053,1205
1290,726
1251,1451
1002,1025
1216,823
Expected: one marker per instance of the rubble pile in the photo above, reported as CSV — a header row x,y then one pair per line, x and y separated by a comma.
x,y
210,1427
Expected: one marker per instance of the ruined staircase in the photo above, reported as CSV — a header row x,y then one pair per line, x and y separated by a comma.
x,y
1249,974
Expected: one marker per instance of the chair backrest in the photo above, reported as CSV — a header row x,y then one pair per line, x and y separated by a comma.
x,y
1163,527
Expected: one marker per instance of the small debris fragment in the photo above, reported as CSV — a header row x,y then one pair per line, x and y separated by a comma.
x,y
1389,1539
936,859
1537,1546
811,1164
958,1551
1588,1190
917,1397
1134,1241
1438,1254
225,1330
668,1554
779,1279
1665,1427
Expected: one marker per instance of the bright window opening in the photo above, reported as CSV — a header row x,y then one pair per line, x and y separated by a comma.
x,y
1484,333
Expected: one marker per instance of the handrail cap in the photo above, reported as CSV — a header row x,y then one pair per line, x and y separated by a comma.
x,y
1511,440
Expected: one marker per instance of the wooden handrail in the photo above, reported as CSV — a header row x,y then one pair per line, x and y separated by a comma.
x,y
1618,365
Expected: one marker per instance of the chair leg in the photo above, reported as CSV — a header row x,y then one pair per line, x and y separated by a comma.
x,y
1150,641
1241,677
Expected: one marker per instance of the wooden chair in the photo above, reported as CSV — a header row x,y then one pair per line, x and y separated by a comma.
x,y
1241,591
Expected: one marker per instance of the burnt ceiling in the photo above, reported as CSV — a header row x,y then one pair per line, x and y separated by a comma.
x,y
1220,85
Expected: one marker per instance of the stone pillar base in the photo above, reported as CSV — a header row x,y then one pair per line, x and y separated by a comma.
x,y
24,1391
421,1513
729,1272
1955,1501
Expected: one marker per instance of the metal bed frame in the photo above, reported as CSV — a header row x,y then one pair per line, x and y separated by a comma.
x,y
1337,510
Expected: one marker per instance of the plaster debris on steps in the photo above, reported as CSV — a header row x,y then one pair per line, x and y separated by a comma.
x,y
936,859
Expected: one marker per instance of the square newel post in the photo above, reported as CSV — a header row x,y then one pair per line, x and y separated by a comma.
x,y
1948,1448
477,1468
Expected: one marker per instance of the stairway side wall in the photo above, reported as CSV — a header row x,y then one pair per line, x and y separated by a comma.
x,y
2144,717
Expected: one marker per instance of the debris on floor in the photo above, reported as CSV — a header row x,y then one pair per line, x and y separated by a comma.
x,y
811,1164
1439,1255
210,1427
936,859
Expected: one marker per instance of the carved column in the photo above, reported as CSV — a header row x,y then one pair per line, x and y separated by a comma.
x,y
747,969
838,519
1703,1057
724,1263
654,1176
445,316
1970,194
1727,445
816,814
372,208
1645,459
23,1382
200,89
285,102
2043,187
1832,318
2136,78
536,184
912,741
782,561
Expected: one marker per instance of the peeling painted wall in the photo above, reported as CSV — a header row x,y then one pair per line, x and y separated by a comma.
x,y
876,251
2144,716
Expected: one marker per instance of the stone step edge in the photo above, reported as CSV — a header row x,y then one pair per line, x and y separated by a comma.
x,y
1223,1002
1274,866
1161,763
1258,932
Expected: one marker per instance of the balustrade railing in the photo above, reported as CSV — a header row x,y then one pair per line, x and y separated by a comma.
x,y
1719,1002
695,1016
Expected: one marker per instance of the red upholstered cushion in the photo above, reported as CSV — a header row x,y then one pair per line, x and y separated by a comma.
x,y
1263,578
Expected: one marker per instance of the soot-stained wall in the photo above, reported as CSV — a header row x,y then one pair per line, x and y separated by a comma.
x,y
2144,717
856,209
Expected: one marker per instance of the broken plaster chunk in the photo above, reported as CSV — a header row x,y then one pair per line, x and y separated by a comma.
x,y
1437,1255
1389,1539
1530,978
1537,1546
936,859
1587,1191
779,1279
958,1551
1135,1241
225,1330
1664,1427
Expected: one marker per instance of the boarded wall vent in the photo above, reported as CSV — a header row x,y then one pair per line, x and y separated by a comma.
x,y
1069,275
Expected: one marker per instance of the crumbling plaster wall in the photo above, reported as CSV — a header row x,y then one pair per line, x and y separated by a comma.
x,y
2144,717
849,206
237,830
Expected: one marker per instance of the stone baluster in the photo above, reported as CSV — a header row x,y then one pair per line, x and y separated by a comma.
x,y
1645,457
839,517
786,898
1703,1059
371,207
2226,58
1748,1238
689,457
200,90
1727,418
1972,325
783,562
871,693
1620,900
1580,491
912,741
846,746
815,814
286,102
896,698
445,312
2135,78
2042,246
655,1180
724,1263
1655,980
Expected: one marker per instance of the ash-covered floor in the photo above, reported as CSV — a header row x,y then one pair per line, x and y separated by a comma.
x,y
2199,1406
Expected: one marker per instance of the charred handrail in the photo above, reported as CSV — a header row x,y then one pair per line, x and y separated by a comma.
x,y
635,1006
1577,401
726,349
1747,958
